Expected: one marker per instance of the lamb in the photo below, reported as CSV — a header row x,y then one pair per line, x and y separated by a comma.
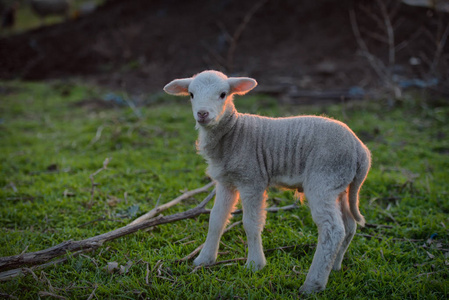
x,y
246,154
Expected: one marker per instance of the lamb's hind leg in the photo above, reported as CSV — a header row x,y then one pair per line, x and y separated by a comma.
x,y
331,233
253,221
224,204
350,229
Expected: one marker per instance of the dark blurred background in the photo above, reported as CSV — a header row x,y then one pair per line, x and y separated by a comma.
x,y
294,48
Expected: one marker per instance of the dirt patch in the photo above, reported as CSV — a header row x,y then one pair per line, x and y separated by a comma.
x,y
140,45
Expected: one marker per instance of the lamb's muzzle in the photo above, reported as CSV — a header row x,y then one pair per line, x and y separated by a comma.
x,y
202,117
246,154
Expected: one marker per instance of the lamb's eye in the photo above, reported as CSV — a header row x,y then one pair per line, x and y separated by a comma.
x,y
223,95
191,95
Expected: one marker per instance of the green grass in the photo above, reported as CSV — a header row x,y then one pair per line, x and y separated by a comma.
x,y
26,19
49,145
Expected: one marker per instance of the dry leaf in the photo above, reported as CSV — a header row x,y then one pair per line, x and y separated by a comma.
x,y
431,256
67,193
124,269
112,266
113,201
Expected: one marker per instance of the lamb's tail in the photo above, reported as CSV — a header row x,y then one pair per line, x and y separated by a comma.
x,y
363,166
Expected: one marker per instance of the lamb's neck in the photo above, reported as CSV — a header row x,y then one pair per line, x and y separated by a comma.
x,y
210,138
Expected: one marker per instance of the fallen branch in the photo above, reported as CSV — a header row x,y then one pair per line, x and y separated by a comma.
x,y
158,209
42,256
10,274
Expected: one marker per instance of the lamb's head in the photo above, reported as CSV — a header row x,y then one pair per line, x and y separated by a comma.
x,y
211,94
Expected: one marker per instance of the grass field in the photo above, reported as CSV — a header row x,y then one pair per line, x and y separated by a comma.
x,y
53,136
26,19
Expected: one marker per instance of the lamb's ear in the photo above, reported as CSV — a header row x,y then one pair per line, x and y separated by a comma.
x,y
178,87
241,85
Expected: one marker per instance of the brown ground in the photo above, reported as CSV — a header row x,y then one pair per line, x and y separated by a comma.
x,y
143,44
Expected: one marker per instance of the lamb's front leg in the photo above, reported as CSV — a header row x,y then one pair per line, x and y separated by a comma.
x,y
224,203
253,221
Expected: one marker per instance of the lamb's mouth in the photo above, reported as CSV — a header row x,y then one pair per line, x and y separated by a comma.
x,y
204,121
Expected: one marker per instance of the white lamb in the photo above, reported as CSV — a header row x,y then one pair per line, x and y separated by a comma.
x,y
317,156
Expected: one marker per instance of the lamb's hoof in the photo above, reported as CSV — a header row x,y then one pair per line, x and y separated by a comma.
x,y
203,261
255,266
310,288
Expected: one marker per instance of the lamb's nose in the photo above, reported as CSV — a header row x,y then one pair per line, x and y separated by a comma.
x,y
202,114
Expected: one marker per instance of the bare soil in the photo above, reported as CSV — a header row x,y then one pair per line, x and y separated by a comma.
x,y
140,45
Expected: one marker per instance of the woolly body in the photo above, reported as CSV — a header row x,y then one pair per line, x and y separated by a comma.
x,y
247,153
281,152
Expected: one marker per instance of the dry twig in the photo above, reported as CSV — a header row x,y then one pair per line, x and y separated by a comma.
x,y
93,292
220,263
7,296
440,46
380,238
10,274
389,32
97,135
93,184
371,225
198,249
272,208
42,256
238,32
282,248
158,209
375,63
238,211
47,294
147,274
